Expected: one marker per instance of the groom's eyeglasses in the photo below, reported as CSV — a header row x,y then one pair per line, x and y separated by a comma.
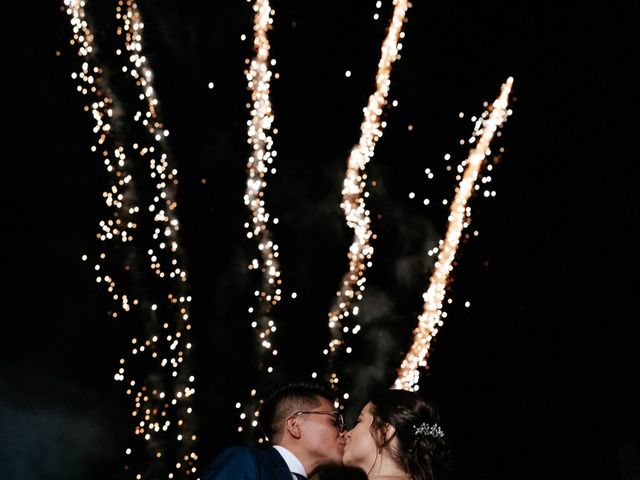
x,y
337,415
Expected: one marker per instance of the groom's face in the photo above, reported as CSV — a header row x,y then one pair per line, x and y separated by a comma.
x,y
324,442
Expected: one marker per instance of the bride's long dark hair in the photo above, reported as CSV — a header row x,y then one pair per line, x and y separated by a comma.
x,y
422,448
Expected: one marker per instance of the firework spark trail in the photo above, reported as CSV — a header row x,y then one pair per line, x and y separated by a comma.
x,y
262,154
120,195
352,284
430,320
156,379
170,345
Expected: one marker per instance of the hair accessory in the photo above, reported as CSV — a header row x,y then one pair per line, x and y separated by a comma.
x,y
428,430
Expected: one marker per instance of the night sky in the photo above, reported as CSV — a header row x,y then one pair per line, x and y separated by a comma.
x,y
537,377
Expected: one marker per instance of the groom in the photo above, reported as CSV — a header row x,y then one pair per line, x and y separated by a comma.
x,y
305,431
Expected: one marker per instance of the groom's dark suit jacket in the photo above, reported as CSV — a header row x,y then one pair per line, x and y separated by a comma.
x,y
246,463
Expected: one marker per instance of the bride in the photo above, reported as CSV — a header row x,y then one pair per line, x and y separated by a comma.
x,y
398,436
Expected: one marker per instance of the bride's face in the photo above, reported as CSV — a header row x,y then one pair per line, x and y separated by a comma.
x,y
360,450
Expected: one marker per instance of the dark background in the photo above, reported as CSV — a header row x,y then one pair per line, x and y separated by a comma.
x,y
537,378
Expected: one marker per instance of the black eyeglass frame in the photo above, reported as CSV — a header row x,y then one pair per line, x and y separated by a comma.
x,y
335,413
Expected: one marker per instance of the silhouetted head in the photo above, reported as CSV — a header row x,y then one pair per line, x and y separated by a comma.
x,y
403,429
302,418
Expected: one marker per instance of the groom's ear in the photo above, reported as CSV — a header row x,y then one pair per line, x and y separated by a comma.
x,y
293,426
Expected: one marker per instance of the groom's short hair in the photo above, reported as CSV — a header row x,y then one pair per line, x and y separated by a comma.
x,y
287,400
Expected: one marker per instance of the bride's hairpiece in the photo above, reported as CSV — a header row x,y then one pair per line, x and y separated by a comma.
x,y
428,430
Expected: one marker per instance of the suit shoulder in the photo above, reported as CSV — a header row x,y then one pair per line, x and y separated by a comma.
x,y
239,451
